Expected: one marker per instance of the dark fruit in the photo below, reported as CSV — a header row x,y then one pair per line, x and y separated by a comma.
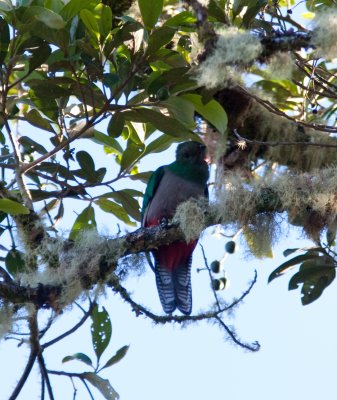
x,y
215,284
163,94
215,266
230,247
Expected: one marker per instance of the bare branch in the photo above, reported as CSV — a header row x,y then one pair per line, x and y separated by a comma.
x,y
210,315
44,374
272,108
72,330
34,351
242,140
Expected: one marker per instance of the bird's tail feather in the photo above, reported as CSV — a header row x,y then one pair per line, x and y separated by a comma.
x,y
165,287
183,287
174,287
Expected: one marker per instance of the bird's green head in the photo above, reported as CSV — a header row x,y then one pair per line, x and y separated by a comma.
x,y
190,153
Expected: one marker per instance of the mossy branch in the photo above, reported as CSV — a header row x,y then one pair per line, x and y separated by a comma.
x,y
309,200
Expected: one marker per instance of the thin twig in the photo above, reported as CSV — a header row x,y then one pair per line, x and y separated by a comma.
x,y
88,389
26,196
45,376
255,346
215,315
72,330
34,351
273,109
274,144
24,377
210,276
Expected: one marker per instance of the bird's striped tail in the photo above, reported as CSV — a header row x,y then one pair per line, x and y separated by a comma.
x,y
173,276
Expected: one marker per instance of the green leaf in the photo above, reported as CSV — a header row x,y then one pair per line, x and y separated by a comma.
x,y
100,174
38,195
48,89
185,18
288,265
55,5
113,208
35,119
142,176
254,6
160,144
103,385
44,15
15,262
109,79
308,15
6,5
87,165
287,252
131,154
40,52
89,94
182,110
90,22
73,7
126,199
101,330
85,220
30,145
150,10
12,207
211,112
47,106
55,168
159,37
107,141
4,39
117,357
315,275
217,12
116,125
238,6
164,123
103,17
78,357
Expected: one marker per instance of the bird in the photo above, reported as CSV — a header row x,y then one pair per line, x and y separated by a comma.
x,y
168,186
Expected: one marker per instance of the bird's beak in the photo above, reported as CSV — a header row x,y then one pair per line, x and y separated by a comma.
x,y
206,156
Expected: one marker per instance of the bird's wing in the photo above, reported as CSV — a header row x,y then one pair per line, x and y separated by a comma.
x,y
151,188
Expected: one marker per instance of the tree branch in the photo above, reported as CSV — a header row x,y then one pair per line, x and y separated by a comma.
x,y
72,330
210,315
34,351
243,140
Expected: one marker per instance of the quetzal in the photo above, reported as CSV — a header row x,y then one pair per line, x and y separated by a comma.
x,y
169,186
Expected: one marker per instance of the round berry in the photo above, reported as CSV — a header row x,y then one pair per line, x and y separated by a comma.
x,y
230,247
215,266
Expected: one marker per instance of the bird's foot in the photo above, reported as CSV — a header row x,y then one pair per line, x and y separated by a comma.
x,y
164,222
